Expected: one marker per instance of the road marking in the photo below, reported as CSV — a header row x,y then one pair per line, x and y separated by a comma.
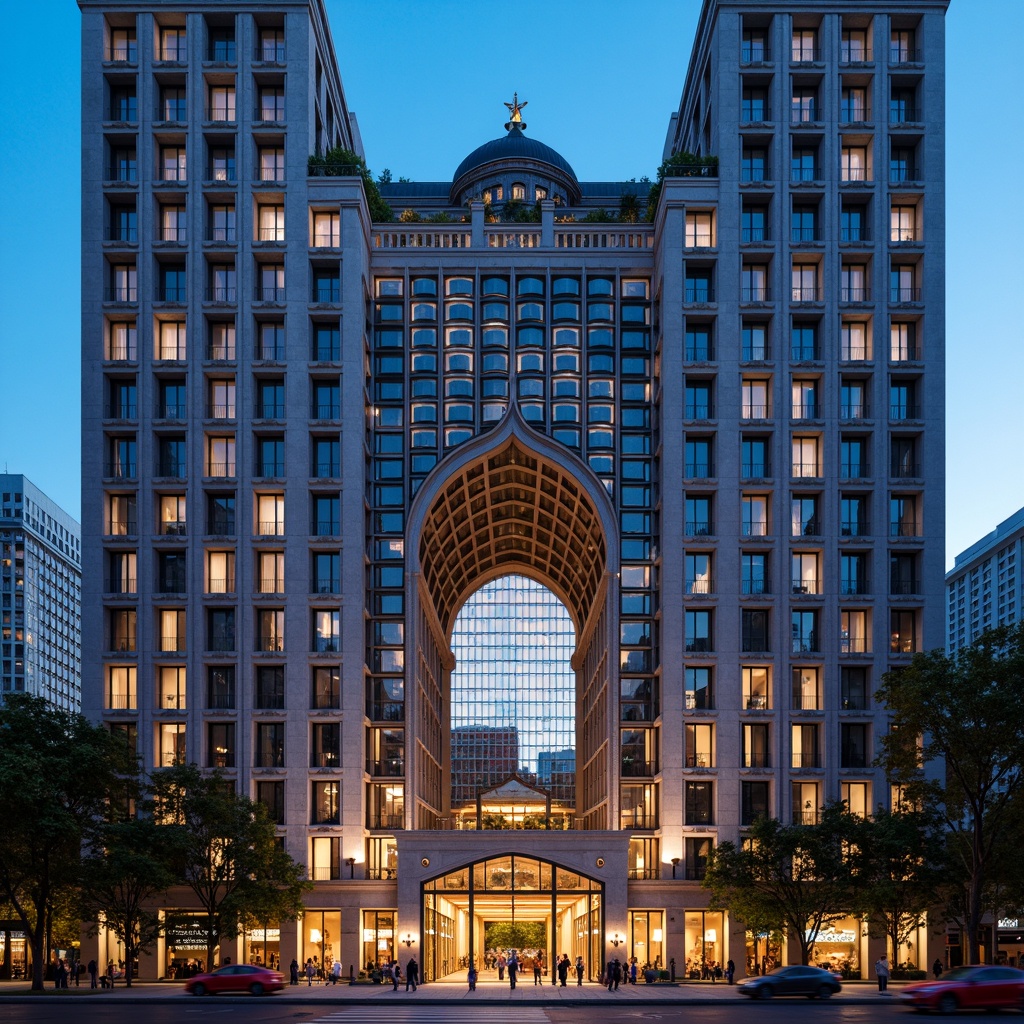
x,y
443,1014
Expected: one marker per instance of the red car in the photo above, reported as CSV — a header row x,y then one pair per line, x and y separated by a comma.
x,y
968,988
236,978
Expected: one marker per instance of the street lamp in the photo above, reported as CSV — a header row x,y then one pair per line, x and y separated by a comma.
x,y
351,862
675,864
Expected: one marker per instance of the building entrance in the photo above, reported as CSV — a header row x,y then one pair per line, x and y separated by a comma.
x,y
482,911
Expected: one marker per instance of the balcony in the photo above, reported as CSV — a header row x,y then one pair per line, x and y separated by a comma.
x,y
854,114
699,528
755,293
853,585
805,114
805,293
700,645
905,588
698,293
269,410
701,587
633,768
383,711
385,822
805,644
806,585
222,293
121,293
904,411
389,767
805,411
849,644
756,470
860,294
755,53
904,115
755,588
905,529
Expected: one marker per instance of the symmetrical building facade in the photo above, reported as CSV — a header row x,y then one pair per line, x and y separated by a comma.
x,y
984,589
40,595
715,437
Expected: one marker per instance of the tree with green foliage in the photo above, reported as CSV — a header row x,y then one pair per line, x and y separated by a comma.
x,y
224,848
518,935
786,877
895,860
341,162
961,714
629,208
128,865
60,778
683,164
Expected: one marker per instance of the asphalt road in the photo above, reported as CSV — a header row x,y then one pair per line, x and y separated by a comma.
x,y
273,1011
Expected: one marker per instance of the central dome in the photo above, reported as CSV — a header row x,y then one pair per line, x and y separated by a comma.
x,y
513,146
515,166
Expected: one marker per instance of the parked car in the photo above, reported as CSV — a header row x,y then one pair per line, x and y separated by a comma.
x,y
980,987
795,980
236,978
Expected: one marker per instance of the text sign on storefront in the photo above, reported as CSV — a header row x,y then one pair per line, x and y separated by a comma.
x,y
1009,922
832,935
183,933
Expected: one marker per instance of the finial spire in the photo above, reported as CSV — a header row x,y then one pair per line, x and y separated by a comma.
x,y
515,112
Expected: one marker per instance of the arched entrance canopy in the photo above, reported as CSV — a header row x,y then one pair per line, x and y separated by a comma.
x,y
513,502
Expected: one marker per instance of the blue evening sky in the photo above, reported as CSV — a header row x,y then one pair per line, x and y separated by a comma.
x,y
427,80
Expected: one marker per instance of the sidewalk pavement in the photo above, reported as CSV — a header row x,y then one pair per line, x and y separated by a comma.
x,y
690,992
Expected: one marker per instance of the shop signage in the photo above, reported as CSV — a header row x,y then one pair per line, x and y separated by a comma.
x,y
1009,922
844,935
185,933
265,935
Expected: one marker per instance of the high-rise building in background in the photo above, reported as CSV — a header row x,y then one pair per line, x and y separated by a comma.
x,y
315,429
40,595
984,589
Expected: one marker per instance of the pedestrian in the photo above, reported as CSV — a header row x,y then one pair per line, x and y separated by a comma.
x,y
472,976
730,971
76,970
616,973
513,968
538,967
937,968
580,969
93,972
501,966
335,972
396,975
563,970
110,973
608,974
632,971
412,973
882,971
310,972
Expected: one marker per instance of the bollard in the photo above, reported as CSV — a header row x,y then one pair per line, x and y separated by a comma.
x,y
672,969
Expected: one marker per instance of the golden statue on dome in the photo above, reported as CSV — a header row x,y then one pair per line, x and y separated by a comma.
x,y
515,108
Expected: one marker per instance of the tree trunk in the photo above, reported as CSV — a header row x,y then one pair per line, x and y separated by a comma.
x,y
129,959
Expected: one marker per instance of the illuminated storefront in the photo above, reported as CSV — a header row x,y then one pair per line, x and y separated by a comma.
x,y
704,943
320,933
184,944
262,946
839,946
378,939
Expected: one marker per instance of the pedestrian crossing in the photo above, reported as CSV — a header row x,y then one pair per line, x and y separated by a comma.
x,y
425,1014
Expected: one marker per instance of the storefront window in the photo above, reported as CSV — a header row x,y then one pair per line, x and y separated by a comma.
x,y
262,946
837,947
18,957
378,938
647,938
320,935
185,945
763,952
705,938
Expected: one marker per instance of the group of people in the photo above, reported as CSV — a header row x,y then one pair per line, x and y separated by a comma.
x,y
104,980
514,964
311,970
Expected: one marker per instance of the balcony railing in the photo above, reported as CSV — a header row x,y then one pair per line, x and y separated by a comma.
x,y
904,588
755,587
855,55
756,353
898,295
703,586
270,468
388,822
805,644
904,411
755,293
856,469
804,115
854,644
756,470
700,645
698,470
806,293
269,643
389,767
905,528
122,293
803,759
759,53
222,293
904,470
698,293
852,585
900,174
632,768
806,585
854,114
904,115
806,411
383,710
854,411
121,702
698,354
120,470
698,528
269,293
269,410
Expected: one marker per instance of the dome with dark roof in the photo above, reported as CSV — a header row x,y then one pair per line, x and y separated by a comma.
x,y
513,146
519,159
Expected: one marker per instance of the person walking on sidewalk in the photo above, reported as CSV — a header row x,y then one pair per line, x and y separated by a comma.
x,y
513,969
580,969
882,971
472,976
412,973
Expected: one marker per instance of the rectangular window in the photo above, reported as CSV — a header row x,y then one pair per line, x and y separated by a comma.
x,y
854,748
699,693
804,625
269,693
756,681
271,163
220,687
754,511
326,809
756,751
754,630
804,746
699,636
220,745
269,751
699,803
271,103
326,687
270,629
853,688
222,103
806,688
270,218
325,746
700,746
326,230
754,801
697,850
